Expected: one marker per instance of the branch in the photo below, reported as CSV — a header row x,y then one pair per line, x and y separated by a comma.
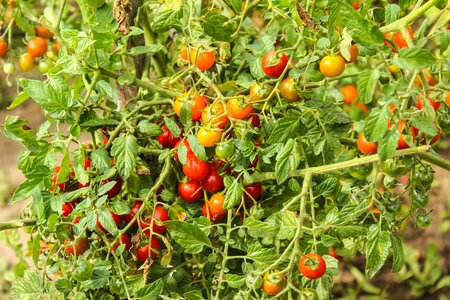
x,y
435,160
305,17
17,224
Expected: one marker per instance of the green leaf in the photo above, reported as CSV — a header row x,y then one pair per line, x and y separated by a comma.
x,y
105,218
99,122
362,31
259,229
391,13
167,18
217,26
150,129
285,129
234,192
414,58
261,255
328,188
197,148
78,165
376,124
189,236
100,159
398,259
424,124
404,4
388,144
151,290
64,285
284,164
20,98
28,287
151,49
367,83
172,126
288,225
83,271
100,276
235,281
377,250
18,130
124,151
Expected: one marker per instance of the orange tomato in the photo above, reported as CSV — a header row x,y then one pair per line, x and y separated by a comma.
x,y
26,62
350,93
429,78
3,47
44,32
332,66
237,110
37,47
209,136
287,90
355,5
215,115
195,101
354,51
56,46
204,60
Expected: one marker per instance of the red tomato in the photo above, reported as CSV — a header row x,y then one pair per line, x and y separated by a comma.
x,y
215,115
209,136
273,282
195,101
238,110
254,120
350,93
79,248
312,266
273,64
61,186
67,209
204,60
3,47
142,253
160,214
190,191
215,208
195,169
26,62
402,144
252,192
214,182
332,252
435,105
125,239
398,38
167,139
37,47
355,5
115,190
287,89
117,219
133,211
365,146
43,32
332,66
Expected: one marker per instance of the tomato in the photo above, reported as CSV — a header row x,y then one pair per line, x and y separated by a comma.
x,y
365,146
190,191
81,245
361,171
273,282
224,150
254,120
62,186
402,144
56,46
8,68
133,211
3,47
215,115
167,139
204,61
435,105
429,78
195,169
188,147
252,192
259,91
117,219
214,182
312,266
354,51
216,210
209,136
287,89
12,3
273,64
393,167
332,252
423,176
153,248
184,53
237,110
332,66
350,93
115,190
43,32
26,62
67,209
160,215
44,66
447,99
124,239
394,69
398,38
355,5
37,47
195,101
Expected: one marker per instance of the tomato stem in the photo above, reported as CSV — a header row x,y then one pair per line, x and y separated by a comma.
x,y
17,224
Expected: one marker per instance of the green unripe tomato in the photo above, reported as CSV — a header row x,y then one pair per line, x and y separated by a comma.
x,y
309,294
44,66
253,280
95,3
393,167
361,171
423,219
423,177
224,150
8,68
420,198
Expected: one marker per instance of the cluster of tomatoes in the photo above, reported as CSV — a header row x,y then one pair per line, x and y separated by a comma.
x,y
37,48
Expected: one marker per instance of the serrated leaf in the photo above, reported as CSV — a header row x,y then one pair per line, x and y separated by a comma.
x,y
151,291
166,18
414,58
18,130
197,148
235,281
150,129
124,151
234,192
172,126
28,287
259,229
189,236
285,129
367,83
283,165
388,144
398,256
100,159
391,13
217,26
79,166
150,49
106,220
376,124
377,250
261,255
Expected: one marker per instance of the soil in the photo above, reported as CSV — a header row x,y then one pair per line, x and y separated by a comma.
x,y
391,288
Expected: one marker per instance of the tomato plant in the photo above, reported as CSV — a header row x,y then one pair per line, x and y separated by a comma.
x,y
202,150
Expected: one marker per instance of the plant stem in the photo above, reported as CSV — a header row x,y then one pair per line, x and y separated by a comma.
x,y
263,176
17,224
408,19
150,40
225,253
435,160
